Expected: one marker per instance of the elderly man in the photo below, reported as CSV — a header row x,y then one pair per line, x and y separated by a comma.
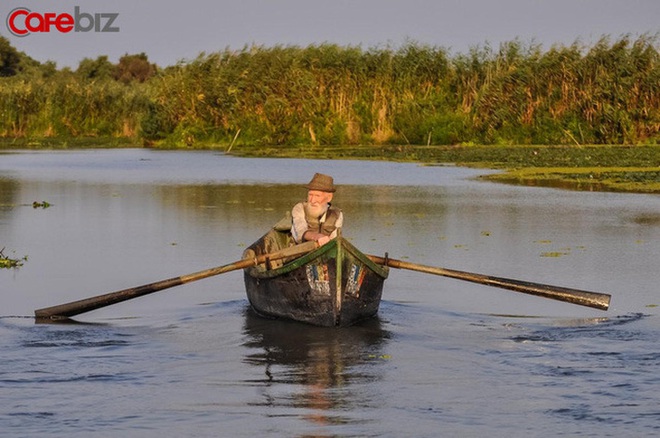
x,y
316,219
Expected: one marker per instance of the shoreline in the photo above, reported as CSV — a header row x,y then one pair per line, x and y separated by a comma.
x,y
610,168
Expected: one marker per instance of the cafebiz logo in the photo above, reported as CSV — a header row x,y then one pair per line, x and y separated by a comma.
x,y
22,22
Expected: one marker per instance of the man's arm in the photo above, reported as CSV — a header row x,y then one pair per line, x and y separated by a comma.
x,y
298,223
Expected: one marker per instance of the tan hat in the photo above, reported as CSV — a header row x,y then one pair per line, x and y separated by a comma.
x,y
322,183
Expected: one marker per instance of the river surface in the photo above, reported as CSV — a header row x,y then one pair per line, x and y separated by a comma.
x,y
443,358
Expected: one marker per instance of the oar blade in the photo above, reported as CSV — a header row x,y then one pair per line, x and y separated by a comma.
x,y
595,300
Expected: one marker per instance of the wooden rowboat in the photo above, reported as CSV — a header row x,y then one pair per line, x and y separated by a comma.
x,y
334,285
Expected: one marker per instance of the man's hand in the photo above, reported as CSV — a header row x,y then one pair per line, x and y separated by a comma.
x,y
321,238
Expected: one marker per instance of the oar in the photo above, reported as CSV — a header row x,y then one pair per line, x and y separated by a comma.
x,y
73,308
575,296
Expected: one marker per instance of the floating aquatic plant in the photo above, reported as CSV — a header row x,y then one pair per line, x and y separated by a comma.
x,y
8,262
42,204
554,254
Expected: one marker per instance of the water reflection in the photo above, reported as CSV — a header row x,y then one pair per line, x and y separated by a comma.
x,y
8,190
258,203
321,369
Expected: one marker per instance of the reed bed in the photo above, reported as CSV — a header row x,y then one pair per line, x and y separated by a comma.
x,y
321,95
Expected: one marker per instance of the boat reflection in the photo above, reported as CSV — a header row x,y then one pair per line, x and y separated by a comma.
x,y
320,370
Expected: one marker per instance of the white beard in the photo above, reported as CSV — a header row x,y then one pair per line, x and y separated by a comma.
x,y
315,212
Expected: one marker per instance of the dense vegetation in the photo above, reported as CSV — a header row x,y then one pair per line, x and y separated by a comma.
x,y
326,94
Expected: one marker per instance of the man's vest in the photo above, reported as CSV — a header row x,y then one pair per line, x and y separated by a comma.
x,y
325,224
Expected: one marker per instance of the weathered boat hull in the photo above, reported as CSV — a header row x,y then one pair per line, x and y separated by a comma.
x,y
335,285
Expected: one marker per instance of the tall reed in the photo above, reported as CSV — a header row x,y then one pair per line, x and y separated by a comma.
x,y
325,94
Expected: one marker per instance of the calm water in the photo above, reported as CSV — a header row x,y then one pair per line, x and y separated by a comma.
x,y
444,357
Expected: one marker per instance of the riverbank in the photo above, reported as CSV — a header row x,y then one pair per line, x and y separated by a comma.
x,y
634,169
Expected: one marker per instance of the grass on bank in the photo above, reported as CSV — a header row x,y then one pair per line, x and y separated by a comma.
x,y
604,168
56,143
611,179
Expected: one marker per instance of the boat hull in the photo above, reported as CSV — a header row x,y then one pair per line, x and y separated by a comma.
x,y
335,285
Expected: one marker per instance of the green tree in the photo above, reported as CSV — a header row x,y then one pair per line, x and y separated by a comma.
x,y
99,68
10,58
134,68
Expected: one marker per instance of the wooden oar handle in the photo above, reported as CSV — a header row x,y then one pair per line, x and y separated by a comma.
x,y
575,296
73,308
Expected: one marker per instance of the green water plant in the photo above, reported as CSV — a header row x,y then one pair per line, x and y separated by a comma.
x,y
42,204
7,262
